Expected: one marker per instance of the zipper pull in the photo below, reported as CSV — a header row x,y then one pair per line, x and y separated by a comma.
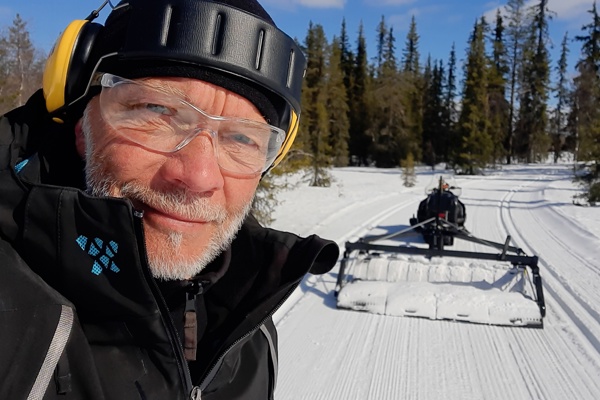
x,y
190,322
195,394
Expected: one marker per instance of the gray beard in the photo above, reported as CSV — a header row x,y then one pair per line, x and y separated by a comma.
x,y
163,261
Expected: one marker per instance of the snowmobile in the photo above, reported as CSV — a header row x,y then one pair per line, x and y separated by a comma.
x,y
378,275
441,205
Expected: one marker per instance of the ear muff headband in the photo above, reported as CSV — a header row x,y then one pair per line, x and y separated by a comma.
x,y
57,66
289,139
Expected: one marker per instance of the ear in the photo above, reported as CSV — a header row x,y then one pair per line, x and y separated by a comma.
x,y
80,138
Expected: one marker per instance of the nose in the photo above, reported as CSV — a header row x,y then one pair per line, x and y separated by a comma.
x,y
195,166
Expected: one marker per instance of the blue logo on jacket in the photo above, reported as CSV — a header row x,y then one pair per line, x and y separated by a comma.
x,y
101,252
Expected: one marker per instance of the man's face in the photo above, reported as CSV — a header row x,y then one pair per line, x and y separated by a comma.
x,y
192,208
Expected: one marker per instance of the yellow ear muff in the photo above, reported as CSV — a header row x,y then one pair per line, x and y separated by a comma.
x,y
57,66
289,138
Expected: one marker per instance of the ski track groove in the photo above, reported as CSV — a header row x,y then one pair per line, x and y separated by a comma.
x,y
386,358
567,387
540,341
500,364
347,391
360,230
591,316
368,224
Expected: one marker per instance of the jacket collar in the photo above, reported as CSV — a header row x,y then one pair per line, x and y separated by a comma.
x,y
87,249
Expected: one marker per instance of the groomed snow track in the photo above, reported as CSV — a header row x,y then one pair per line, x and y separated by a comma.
x,y
327,353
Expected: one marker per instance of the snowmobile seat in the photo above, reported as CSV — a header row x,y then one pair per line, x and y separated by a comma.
x,y
445,205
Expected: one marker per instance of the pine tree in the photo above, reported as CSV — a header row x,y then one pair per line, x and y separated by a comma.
x,y
358,98
476,143
337,108
434,129
414,86
585,114
265,199
21,66
346,58
409,177
314,124
382,36
532,141
559,119
411,51
387,123
515,37
7,96
451,142
497,91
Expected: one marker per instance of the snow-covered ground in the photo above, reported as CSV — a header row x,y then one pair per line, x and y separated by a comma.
x,y
329,353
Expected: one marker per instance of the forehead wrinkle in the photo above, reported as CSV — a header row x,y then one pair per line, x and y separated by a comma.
x,y
167,87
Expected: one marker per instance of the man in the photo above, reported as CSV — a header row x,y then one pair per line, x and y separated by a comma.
x,y
130,267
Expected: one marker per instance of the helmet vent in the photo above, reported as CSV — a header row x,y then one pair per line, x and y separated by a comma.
x,y
290,69
259,48
164,34
219,33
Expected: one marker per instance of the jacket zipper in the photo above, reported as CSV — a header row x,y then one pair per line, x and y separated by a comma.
x,y
208,376
184,371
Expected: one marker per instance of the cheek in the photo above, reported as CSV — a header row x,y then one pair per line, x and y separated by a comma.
x,y
123,160
128,162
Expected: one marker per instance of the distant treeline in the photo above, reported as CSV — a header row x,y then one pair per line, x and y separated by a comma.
x,y
395,109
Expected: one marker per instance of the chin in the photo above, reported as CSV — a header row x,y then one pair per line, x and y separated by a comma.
x,y
175,257
170,258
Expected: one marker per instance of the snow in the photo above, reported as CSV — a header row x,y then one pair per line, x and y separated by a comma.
x,y
331,353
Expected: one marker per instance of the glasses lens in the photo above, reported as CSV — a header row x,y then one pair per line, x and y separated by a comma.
x,y
164,122
247,147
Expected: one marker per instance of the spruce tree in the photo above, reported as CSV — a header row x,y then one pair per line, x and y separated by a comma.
x,y
410,53
515,37
499,107
586,96
337,108
346,58
433,114
451,114
476,143
387,126
359,105
414,86
314,124
382,36
559,119
532,140
409,177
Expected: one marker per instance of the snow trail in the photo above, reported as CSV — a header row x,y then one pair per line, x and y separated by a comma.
x,y
329,354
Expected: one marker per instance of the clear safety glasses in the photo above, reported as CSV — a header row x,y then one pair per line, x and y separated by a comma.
x,y
162,121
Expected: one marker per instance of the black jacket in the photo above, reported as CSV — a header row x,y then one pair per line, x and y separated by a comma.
x,y
82,318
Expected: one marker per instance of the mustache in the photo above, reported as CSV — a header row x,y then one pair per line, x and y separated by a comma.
x,y
181,202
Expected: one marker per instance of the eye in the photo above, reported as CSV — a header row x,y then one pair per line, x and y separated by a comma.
x,y
154,108
157,108
241,139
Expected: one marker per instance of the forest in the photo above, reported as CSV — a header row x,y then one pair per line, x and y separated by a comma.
x,y
397,109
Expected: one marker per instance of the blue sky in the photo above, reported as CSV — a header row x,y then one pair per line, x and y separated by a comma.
x,y
439,22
